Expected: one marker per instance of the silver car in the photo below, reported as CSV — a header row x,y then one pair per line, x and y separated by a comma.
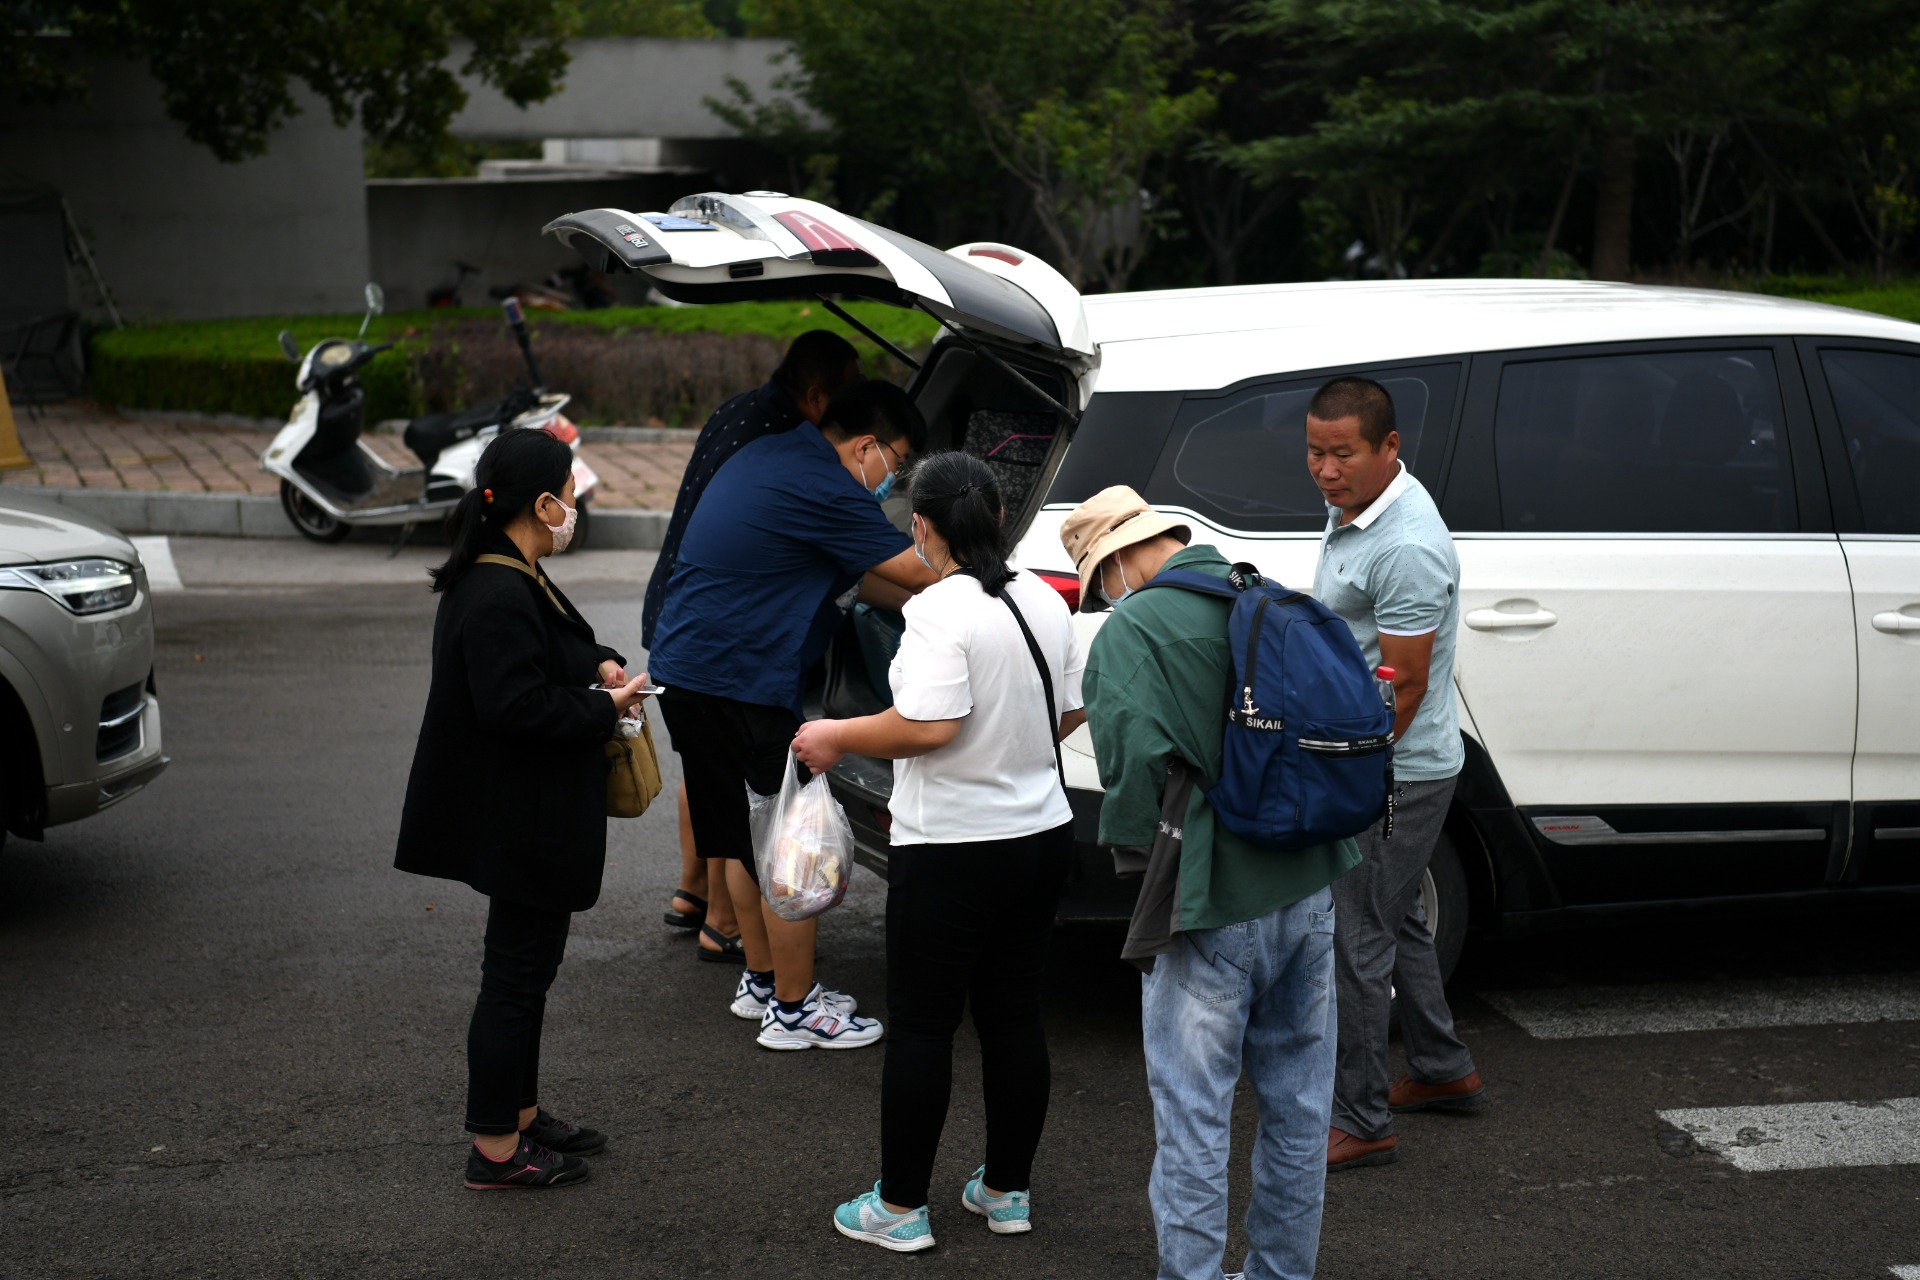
x,y
79,721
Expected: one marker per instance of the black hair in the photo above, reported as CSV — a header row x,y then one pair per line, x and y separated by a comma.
x,y
512,473
957,494
878,409
817,358
1361,398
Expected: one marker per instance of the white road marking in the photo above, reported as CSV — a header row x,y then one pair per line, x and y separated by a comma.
x,y
1806,1135
1906,1273
157,555
1655,1008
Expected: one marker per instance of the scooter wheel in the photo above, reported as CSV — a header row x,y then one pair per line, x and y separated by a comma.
x,y
582,526
307,516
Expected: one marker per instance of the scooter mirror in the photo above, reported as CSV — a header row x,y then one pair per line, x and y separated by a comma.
x,y
288,347
376,299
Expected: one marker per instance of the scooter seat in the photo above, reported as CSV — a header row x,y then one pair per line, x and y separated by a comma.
x,y
430,434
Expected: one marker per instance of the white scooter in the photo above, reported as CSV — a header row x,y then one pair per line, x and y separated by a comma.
x,y
330,481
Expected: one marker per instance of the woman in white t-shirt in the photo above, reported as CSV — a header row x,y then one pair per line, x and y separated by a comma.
x,y
982,841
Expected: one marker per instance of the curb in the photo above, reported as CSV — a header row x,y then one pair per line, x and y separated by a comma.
x,y
234,515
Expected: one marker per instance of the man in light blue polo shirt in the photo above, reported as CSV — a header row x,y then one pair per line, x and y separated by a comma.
x,y
1388,568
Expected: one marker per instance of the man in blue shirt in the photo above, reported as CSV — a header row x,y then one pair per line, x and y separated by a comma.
x,y
815,368
785,529
1388,568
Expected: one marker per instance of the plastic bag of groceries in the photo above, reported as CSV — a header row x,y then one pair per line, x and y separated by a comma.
x,y
802,846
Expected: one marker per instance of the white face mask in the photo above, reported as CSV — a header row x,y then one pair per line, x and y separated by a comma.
x,y
563,532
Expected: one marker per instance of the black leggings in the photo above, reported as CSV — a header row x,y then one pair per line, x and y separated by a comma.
x,y
523,952
967,922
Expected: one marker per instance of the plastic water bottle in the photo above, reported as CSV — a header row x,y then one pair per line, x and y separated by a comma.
x,y
1383,680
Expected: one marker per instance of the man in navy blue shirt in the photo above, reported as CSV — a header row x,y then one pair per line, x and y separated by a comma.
x,y
815,368
817,365
789,526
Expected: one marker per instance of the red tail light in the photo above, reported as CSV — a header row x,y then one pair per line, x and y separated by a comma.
x,y
827,245
1067,584
561,428
1000,255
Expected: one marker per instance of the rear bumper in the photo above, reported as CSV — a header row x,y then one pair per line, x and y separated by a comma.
x,y
1093,892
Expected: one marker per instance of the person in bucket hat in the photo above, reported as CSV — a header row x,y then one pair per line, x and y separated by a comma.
x,y
1235,940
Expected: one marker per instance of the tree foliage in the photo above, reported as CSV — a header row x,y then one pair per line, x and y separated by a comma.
x,y
966,118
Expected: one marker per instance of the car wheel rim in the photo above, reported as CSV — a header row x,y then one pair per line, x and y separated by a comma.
x,y
1430,902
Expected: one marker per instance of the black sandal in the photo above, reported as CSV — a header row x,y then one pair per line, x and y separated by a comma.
x,y
731,951
687,919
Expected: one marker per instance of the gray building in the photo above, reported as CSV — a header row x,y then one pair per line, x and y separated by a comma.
x,y
179,235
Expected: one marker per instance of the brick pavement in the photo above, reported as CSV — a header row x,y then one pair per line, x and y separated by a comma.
x,y
86,446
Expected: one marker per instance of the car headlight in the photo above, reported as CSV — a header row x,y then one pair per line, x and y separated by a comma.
x,y
83,586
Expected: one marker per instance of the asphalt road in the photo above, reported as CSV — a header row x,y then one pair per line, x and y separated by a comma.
x,y
234,1037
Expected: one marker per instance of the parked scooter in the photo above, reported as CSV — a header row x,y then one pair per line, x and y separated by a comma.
x,y
330,481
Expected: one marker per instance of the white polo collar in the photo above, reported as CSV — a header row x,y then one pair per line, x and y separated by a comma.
x,y
1396,487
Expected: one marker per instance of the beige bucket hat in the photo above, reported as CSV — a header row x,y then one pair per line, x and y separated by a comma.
x,y
1105,523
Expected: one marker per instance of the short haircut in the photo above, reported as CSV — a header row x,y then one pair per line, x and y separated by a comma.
x,y
878,409
818,358
1361,398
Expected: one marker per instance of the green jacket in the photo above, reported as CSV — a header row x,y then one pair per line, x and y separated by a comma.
x,y
1156,687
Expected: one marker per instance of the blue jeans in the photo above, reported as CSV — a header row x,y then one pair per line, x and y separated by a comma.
x,y
1257,996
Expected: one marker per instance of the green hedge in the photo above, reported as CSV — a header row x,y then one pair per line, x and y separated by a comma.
x,y
235,366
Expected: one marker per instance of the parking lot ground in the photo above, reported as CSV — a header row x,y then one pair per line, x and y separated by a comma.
x,y
234,1036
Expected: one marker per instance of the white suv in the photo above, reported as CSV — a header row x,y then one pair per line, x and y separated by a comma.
x,y
1688,525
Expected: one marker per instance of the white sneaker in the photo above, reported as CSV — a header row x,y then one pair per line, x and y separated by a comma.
x,y
816,1025
750,999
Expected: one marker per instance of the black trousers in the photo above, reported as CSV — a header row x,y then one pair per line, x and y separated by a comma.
x,y
523,952
967,924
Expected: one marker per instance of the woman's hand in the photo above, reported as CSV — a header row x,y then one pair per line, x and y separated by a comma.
x,y
818,744
612,674
627,696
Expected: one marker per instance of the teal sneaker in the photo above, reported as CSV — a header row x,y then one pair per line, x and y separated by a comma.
x,y
864,1218
1006,1216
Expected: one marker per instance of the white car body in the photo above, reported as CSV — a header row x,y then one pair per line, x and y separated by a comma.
x,y
1689,665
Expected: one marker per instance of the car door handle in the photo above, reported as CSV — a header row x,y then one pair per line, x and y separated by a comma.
x,y
1500,620
1896,623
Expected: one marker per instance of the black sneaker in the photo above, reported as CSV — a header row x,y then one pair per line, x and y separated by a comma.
x,y
530,1167
564,1136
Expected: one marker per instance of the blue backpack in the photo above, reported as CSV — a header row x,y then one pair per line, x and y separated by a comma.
x,y
1308,753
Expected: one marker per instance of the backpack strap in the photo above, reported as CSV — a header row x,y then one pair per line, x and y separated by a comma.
x,y
1187,580
1046,683
523,567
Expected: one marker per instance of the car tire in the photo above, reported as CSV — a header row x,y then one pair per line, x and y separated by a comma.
x,y
310,520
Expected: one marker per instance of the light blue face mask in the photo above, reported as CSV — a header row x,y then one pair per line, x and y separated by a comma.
x,y
1100,584
921,552
885,487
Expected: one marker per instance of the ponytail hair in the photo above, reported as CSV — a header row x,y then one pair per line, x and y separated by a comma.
x,y
958,495
515,470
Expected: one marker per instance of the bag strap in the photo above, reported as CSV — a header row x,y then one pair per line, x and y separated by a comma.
x,y
522,566
1187,580
1046,683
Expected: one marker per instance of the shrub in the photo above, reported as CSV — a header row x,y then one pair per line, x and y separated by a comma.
x,y
626,364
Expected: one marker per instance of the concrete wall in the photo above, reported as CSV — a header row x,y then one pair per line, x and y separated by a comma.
x,y
178,234
630,89
419,228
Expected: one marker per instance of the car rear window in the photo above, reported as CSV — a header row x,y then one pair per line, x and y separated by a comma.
x,y
1877,395
1646,442
1240,457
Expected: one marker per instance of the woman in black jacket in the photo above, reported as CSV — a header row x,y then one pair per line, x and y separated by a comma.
x,y
508,790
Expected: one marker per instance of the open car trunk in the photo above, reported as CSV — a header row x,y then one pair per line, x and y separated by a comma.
x,y
1006,381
